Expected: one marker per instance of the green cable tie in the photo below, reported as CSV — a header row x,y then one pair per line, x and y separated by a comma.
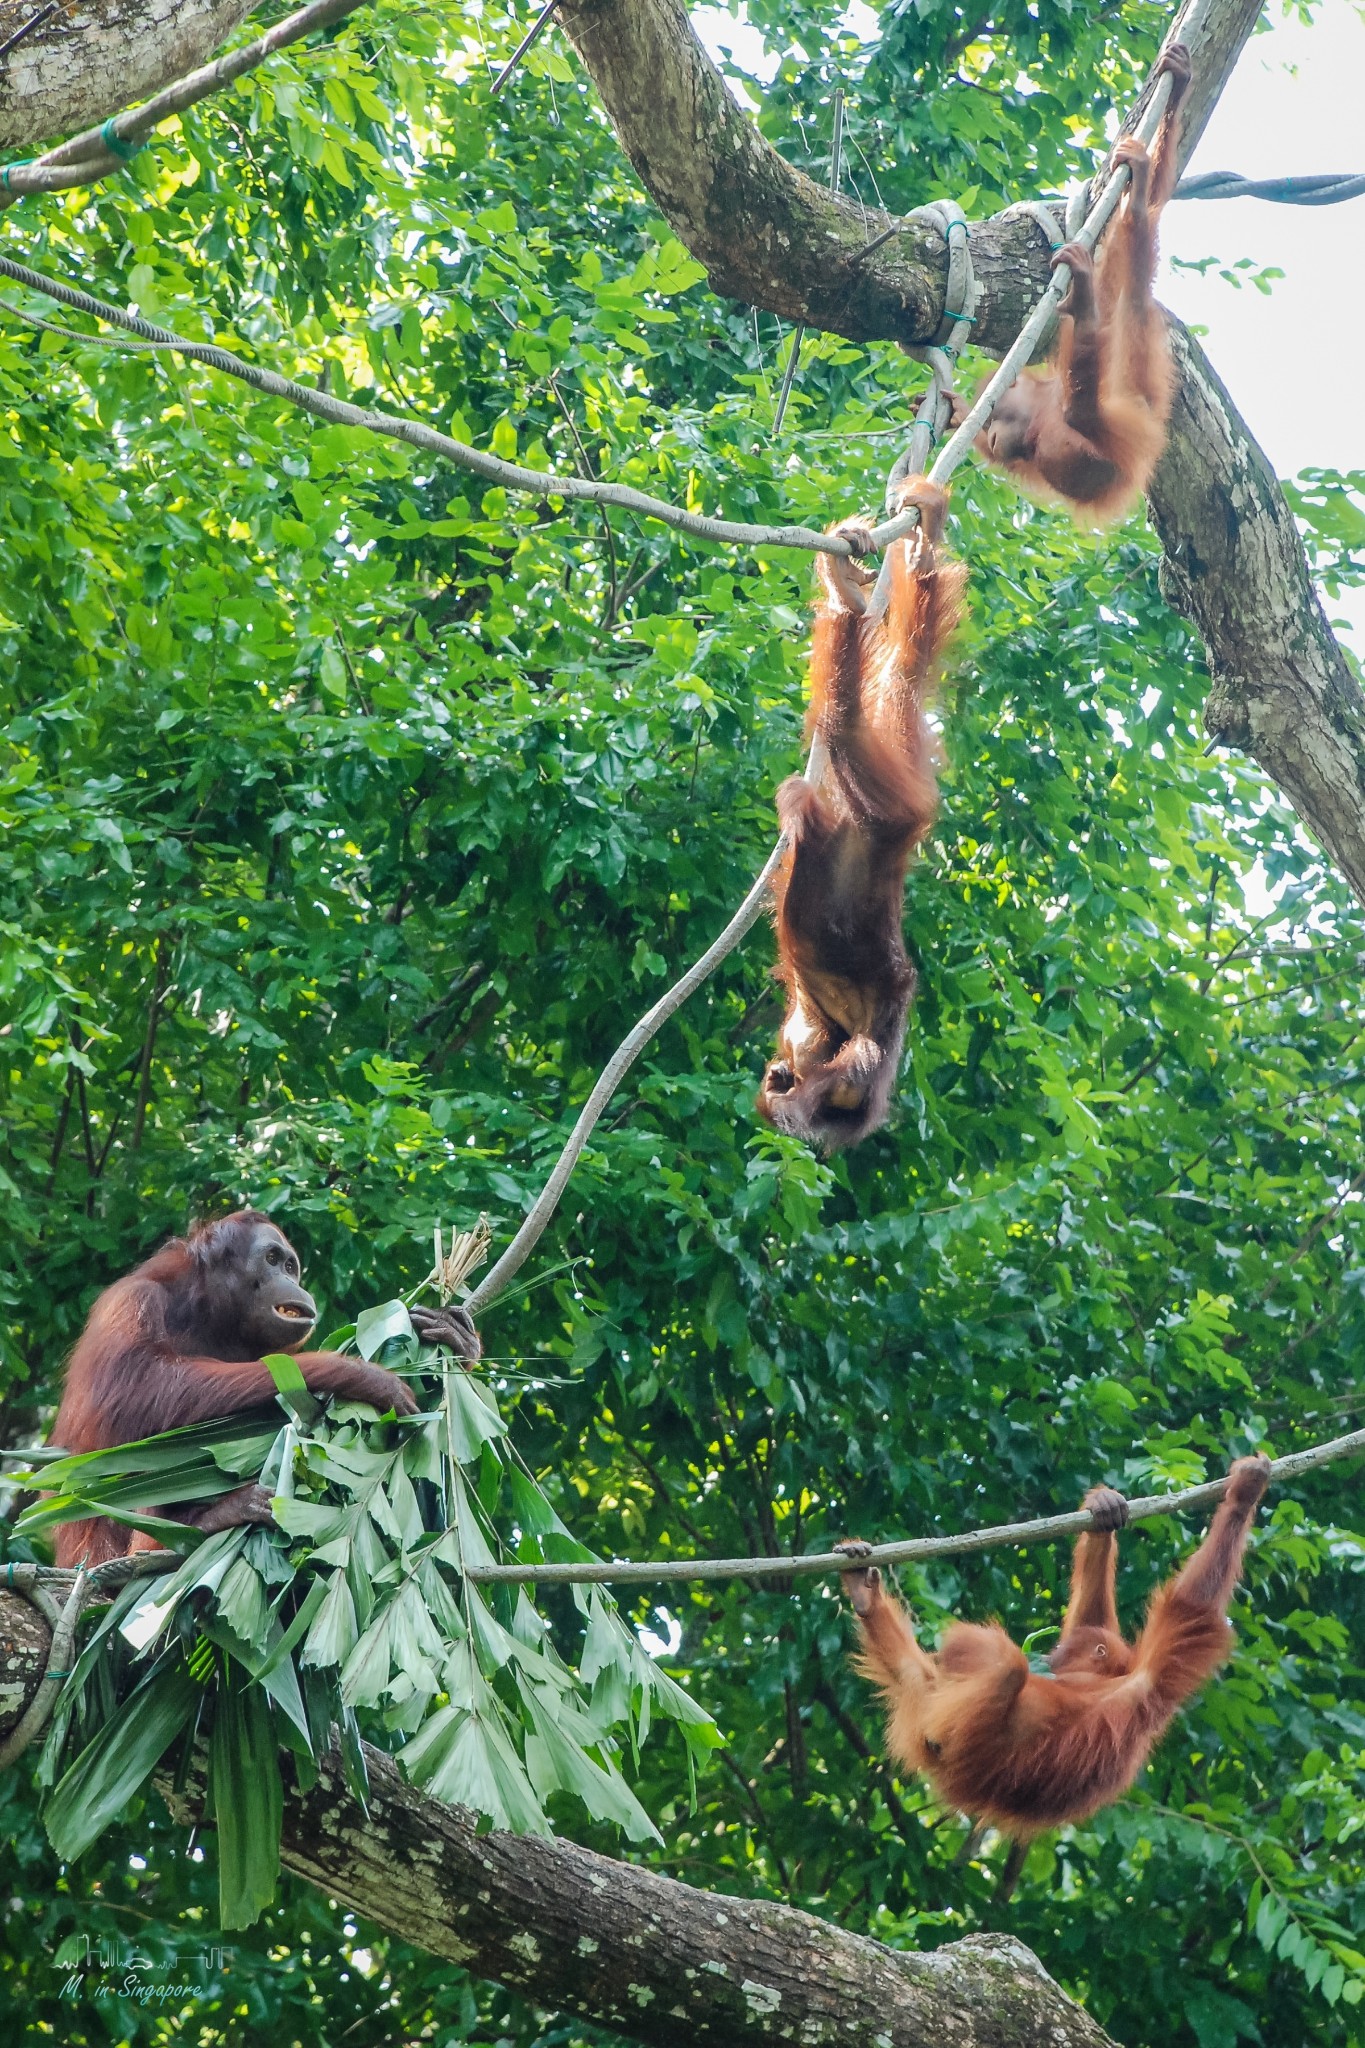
x,y
115,144
58,1674
17,165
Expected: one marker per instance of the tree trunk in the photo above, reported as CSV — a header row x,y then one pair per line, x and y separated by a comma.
x,y
618,1945
1234,566
91,58
24,1637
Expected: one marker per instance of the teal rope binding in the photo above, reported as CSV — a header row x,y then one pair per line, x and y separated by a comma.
x,y
115,144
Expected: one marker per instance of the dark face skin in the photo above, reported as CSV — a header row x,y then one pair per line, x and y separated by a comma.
x,y
270,1309
1007,436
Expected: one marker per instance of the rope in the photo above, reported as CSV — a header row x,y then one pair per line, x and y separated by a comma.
x,y
511,475
107,1578
1327,190
1037,210
496,1280
124,148
1008,1535
954,331
27,1581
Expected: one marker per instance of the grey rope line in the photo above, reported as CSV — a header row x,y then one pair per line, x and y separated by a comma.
x,y
511,475
116,341
499,1276
27,1581
813,1564
1325,190
1038,210
655,1571
954,331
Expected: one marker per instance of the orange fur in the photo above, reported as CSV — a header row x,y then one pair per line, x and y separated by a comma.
x,y
1090,428
1022,1752
839,891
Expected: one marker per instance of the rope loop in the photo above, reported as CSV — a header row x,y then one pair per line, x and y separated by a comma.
x,y
959,299
1037,210
941,354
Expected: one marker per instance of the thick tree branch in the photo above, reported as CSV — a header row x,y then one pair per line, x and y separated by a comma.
x,y
771,236
618,1945
88,58
1282,688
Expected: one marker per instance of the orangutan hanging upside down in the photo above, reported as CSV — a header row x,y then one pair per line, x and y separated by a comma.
x,y
1024,1753
1091,427
839,892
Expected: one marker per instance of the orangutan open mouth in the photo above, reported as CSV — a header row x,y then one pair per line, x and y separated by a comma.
x,y
293,1313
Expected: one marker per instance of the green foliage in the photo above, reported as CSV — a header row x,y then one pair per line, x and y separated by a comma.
x,y
358,1614
352,813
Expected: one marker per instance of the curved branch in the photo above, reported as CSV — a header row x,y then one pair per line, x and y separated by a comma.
x,y
768,234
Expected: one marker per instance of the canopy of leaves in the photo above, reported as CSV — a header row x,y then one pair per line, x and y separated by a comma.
x,y
352,812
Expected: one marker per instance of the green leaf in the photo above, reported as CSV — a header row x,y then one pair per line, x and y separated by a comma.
x,y
292,1387
374,1327
115,1766
332,1635
247,1800
470,1421
555,1759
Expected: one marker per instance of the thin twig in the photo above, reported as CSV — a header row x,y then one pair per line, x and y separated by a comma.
x,y
532,35
836,152
144,1076
26,28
